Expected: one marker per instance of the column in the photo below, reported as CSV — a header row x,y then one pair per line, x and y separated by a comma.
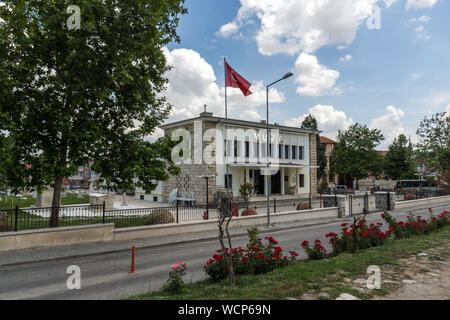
x,y
282,181
296,181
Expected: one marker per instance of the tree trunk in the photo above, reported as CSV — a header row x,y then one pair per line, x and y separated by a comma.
x,y
232,278
56,202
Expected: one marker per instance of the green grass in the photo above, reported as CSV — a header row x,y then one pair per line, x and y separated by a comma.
x,y
11,202
306,276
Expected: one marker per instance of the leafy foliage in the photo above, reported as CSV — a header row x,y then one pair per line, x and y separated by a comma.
x,y
434,144
354,154
310,122
399,161
71,96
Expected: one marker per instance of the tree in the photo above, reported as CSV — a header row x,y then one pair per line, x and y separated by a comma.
x,y
69,96
399,162
434,144
310,123
354,155
245,191
444,180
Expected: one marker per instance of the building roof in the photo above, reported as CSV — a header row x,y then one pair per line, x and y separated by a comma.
x,y
327,140
209,117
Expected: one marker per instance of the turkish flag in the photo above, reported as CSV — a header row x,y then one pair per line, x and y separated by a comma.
x,y
235,80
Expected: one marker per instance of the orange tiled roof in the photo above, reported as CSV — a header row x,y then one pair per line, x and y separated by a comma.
x,y
327,140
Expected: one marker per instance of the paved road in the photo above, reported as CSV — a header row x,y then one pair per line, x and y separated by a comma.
x,y
106,276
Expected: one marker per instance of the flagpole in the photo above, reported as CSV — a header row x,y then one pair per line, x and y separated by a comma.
x,y
226,120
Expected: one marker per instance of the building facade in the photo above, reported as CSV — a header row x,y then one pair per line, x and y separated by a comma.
x,y
234,152
329,145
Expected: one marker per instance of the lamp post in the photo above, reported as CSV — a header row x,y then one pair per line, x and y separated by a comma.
x,y
268,140
207,202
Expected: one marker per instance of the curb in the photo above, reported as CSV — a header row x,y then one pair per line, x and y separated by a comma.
x,y
209,238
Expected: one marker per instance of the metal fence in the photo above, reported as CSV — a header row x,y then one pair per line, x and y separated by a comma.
x,y
38,218
418,194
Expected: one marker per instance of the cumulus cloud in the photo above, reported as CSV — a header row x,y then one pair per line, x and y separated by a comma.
x,y
193,83
448,109
346,58
292,26
329,120
420,4
314,78
390,124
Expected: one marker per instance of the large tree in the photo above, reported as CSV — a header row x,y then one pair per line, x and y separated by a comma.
x,y
399,160
310,122
68,96
354,156
434,144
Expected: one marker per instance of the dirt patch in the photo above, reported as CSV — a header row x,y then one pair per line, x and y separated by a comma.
x,y
425,276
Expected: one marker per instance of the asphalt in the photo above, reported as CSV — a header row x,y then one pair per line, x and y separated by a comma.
x,y
42,273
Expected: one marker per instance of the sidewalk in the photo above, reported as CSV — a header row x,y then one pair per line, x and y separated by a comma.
x,y
87,249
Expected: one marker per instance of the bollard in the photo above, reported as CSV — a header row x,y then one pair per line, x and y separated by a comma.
x,y
133,256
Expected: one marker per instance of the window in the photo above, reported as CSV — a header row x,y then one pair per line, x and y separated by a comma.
x,y
286,152
294,152
280,150
155,199
229,181
301,153
225,146
247,149
301,180
235,147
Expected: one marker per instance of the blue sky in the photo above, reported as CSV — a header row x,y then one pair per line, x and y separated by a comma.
x,y
344,72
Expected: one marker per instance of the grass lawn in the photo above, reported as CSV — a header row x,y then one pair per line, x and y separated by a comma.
x,y
29,201
306,276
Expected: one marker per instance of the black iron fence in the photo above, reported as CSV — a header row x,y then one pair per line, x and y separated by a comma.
x,y
405,195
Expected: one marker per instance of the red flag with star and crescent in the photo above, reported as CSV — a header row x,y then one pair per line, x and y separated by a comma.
x,y
235,80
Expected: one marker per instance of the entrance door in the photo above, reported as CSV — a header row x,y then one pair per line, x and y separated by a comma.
x,y
276,183
259,181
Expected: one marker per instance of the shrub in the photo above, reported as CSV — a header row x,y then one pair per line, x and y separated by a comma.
x,y
410,196
175,282
249,212
4,225
159,216
303,206
316,252
257,258
415,226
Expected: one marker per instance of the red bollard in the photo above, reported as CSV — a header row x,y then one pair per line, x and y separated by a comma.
x,y
133,256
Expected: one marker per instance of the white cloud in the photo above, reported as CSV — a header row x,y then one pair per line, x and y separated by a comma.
x,y
346,58
390,124
389,3
422,19
314,78
251,115
329,120
292,26
192,83
448,109
420,4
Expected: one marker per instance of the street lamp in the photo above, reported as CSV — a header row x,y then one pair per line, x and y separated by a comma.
x,y
207,204
268,140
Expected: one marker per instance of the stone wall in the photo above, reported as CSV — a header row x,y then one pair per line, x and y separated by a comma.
x,y
188,180
313,154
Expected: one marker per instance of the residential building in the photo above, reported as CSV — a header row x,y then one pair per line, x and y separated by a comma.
x,y
329,145
292,150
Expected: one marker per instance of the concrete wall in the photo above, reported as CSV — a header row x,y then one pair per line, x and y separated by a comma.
x,y
422,202
193,227
55,237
